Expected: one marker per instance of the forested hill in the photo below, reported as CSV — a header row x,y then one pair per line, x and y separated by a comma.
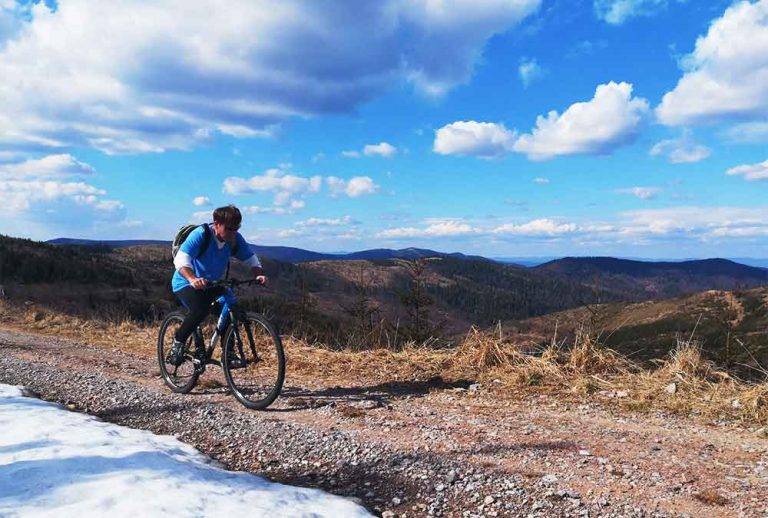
x,y
643,280
286,254
460,291
27,261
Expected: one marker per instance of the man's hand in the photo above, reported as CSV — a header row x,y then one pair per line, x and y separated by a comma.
x,y
198,283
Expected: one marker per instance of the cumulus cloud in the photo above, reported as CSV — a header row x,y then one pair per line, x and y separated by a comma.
x,y
480,139
51,166
617,12
537,227
48,191
200,201
750,172
329,222
726,75
610,119
433,228
644,193
283,184
173,80
529,71
381,149
697,223
354,187
680,150
541,181
278,210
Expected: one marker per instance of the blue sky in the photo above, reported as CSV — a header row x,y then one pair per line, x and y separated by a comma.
x,y
502,128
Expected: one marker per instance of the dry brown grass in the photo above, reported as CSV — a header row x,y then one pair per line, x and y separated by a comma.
x,y
684,383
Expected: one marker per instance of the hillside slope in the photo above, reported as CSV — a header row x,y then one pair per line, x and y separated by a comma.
x,y
641,280
729,326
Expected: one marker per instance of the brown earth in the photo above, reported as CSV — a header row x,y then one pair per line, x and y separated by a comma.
x,y
452,448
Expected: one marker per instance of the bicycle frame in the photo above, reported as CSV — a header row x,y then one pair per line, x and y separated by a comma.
x,y
229,312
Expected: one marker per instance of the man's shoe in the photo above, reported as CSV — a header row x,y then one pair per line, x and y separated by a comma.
x,y
234,361
176,356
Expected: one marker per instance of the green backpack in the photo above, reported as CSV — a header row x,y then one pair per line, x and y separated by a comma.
x,y
184,233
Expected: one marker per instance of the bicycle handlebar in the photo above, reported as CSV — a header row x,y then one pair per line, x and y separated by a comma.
x,y
232,283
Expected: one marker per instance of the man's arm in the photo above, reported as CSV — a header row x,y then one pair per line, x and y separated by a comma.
x,y
196,282
251,260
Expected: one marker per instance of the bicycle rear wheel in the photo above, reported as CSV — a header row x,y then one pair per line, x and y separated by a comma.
x,y
253,361
182,378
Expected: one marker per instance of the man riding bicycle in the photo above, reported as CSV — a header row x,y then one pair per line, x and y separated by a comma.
x,y
203,258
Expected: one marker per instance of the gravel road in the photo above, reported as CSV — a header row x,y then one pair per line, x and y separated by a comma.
x,y
398,456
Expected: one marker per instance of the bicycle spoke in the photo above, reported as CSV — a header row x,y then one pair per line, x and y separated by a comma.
x,y
182,377
255,367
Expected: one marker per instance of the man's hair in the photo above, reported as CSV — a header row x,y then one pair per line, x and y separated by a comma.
x,y
230,216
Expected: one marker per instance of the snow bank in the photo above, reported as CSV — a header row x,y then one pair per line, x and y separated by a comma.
x,y
59,463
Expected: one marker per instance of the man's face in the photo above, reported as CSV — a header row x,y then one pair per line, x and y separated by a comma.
x,y
223,232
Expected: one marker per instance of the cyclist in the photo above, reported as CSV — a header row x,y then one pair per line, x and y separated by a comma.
x,y
203,257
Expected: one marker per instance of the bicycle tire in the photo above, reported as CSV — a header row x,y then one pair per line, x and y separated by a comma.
x,y
254,372
181,384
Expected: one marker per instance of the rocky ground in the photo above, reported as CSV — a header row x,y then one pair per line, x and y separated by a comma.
x,y
420,448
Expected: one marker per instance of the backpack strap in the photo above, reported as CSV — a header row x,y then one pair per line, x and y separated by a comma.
x,y
206,240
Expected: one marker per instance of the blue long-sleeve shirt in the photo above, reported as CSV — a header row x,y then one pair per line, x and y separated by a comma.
x,y
212,264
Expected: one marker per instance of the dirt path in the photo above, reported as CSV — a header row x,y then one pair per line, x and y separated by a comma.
x,y
449,449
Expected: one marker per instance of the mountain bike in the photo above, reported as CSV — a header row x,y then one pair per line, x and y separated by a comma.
x,y
251,352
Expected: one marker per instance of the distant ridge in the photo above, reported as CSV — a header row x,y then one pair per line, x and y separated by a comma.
x,y
716,266
285,254
108,243
631,279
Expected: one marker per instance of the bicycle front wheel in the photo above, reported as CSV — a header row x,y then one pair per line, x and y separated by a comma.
x,y
253,361
179,378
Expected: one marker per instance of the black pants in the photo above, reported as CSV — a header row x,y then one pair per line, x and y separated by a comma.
x,y
198,302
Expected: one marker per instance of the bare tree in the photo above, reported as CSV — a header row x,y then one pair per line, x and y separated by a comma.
x,y
417,301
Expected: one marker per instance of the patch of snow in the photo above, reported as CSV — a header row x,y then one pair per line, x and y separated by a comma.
x,y
59,463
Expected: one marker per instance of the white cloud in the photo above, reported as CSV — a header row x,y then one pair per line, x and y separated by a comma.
x,y
695,223
681,150
200,216
541,181
276,210
644,193
685,224
290,232
726,76
434,228
750,172
200,201
617,12
537,227
748,132
529,71
283,184
57,204
480,139
330,222
354,187
381,149
39,191
189,71
610,119
51,166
